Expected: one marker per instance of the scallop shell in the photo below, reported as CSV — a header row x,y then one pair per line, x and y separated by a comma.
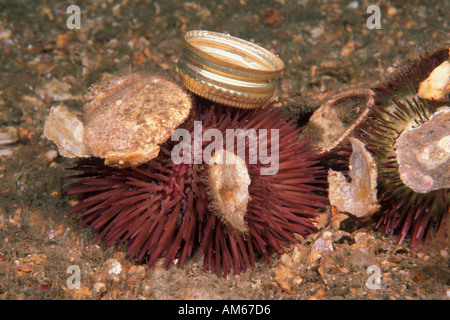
x,y
128,117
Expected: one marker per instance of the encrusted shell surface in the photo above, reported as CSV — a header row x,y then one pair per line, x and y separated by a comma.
x,y
337,118
228,181
358,197
128,117
423,154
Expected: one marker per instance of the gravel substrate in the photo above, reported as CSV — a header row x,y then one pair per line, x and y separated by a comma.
x,y
325,46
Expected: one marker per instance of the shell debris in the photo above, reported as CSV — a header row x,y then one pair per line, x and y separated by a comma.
x,y
437,85
66,130
228,189
358,197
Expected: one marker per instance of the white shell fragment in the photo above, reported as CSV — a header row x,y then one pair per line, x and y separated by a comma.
x,y
8,135
358,197
67,132
437,85
113,266
55,90
228,189
423,154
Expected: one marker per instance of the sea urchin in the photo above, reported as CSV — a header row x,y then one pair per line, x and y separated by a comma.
x,y
398,109
169,209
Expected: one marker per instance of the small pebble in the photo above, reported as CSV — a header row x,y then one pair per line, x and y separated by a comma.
x,y
316,32
113,266
5,34
283,275
81,294
55,90
336,220
299,253
8,135
353,5
135,274
99,287
362,257
286,260
324,243
6,152
51,155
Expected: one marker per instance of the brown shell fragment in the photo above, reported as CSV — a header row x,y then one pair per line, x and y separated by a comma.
x,y
337,118
128,117
358,197
423,154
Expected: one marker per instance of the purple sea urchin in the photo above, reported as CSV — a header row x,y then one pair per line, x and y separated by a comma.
x,y
163,209
397,109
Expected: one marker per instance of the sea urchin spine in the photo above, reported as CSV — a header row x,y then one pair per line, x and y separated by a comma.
x,y
163,209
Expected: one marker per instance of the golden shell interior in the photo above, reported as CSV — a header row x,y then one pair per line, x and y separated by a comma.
x,y
228,70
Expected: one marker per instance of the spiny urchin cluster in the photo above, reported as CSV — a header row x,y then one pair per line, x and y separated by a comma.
x,y
167,209
396,109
